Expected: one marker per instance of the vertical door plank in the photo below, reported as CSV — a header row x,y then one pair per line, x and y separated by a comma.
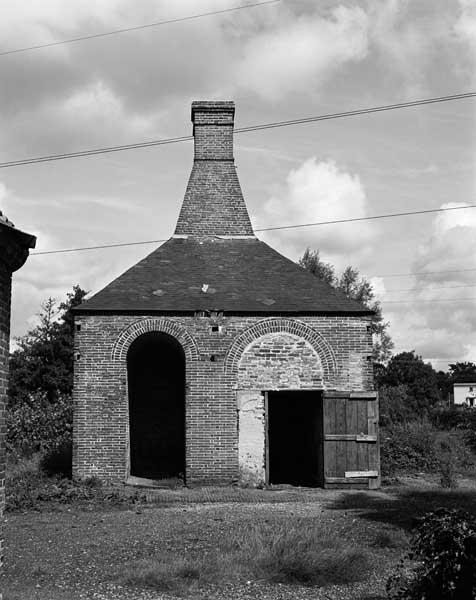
x,y
362,427
329,447
351,429
374,449
340,428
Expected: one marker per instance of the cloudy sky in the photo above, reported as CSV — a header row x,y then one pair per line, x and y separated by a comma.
x,y
290,59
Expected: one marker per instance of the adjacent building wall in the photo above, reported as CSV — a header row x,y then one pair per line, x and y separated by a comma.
x,y
465,394
229,360
5,290
14,246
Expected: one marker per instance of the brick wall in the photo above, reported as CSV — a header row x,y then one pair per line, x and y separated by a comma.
x,y
325,353
5,289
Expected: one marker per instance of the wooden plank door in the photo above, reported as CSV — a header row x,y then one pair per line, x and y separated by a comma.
x,y
351,446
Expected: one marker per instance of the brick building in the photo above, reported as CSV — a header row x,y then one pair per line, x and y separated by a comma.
x,y
219,360
14,245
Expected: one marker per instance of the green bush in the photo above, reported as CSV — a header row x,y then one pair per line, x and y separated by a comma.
x,y
408,448
454,418
39,425
418,447
443,552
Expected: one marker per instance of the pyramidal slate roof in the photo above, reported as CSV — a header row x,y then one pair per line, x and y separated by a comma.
x,y
214,262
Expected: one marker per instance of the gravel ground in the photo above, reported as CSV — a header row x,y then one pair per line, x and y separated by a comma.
x,y
81,552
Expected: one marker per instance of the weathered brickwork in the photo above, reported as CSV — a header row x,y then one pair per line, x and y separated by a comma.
x,y
216,388
279,361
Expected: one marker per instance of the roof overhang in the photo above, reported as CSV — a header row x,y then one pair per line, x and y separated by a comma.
x,y
15,245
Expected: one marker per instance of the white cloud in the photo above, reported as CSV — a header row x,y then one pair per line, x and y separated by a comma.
x,y
450,247
430,324
300,54
408,37
465,26
320,191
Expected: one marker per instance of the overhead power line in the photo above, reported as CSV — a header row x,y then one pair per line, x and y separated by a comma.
x,y
423,273
418,301
446,287
136,28
101,247
248,129
353,220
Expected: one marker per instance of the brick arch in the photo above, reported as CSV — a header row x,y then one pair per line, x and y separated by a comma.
x,y
130,333
280,325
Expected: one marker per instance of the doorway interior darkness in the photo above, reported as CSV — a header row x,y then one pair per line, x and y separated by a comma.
x,y
295,438
156,384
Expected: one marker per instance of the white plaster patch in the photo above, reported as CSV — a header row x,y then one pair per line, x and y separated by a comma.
x,y
251,438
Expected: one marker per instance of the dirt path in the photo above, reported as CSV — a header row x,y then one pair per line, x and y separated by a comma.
x,y
79,553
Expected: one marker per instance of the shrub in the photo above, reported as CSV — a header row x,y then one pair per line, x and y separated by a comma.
x,y
39,425
454,418
444,550
419,447
408,448
448,464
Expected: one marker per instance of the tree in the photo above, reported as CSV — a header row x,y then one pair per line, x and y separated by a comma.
x,y
42,365
463,372
394,405
420,379
312,262
358,288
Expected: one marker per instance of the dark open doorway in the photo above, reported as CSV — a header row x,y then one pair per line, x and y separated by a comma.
x,y
295,438
156,382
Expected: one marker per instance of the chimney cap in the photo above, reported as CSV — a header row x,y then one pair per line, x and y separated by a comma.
x,y
213,107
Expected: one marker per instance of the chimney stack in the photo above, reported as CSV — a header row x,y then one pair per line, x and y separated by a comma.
x,y
213,204
213,129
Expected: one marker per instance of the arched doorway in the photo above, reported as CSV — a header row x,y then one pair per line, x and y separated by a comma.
x,y
156,384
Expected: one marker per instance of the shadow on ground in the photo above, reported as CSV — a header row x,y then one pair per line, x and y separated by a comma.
x,y
401,507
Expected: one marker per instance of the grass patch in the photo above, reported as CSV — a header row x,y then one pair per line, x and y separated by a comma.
x,y
172,574
390,539
277,552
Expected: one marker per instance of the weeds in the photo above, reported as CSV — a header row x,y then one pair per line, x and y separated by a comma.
x,y
390,539
448,465
279,552
29,487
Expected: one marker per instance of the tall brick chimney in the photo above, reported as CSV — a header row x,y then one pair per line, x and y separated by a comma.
x,y
213,203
